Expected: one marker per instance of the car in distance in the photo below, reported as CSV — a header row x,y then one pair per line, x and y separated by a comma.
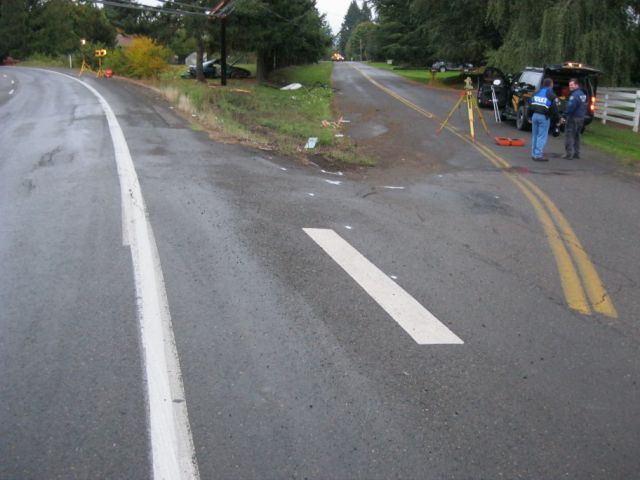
x,y
211,69
441,66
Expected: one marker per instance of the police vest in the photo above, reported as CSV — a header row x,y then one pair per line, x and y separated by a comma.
x,y
540,103
540,100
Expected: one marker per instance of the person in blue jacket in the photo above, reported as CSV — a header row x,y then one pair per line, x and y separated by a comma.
x,y
544,109
574,118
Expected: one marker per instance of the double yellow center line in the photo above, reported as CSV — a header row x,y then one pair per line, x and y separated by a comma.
x,y
582,287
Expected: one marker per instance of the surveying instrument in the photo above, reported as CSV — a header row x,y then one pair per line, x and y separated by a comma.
x,y
85,66
472,104
100,52
494,101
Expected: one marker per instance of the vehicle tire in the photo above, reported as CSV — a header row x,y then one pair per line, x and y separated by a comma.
x,y
443,69
522,120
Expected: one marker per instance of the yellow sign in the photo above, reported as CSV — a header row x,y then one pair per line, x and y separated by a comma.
x,y
101,52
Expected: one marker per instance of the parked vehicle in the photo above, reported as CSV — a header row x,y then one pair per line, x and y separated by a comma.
x,y
441,66
529,81
211,69
493,77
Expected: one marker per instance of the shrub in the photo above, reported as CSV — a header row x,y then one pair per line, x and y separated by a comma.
x,y
116,61
145,59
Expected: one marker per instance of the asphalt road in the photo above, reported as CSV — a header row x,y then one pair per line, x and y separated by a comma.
x,y
291,367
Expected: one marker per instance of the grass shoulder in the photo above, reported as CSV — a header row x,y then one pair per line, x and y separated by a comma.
x,y
266,116
619,141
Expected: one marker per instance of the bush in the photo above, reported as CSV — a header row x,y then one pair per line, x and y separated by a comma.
x,y
116,61
145,59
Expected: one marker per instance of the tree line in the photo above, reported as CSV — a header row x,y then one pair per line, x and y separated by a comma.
x,y
504,33
278,32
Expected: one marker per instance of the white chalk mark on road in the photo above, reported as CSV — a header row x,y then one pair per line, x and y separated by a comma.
x,y
416,320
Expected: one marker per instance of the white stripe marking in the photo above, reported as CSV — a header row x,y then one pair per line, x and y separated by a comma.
x,y
173,454
339,174
11,91
416,320
334,182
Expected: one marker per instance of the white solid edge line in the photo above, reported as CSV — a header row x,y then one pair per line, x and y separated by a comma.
x,y
416,320
172,450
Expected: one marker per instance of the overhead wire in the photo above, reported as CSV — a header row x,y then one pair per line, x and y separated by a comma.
x,y
133,5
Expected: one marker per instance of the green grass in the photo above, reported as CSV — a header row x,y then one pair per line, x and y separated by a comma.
x,y
307,75
39,60
621,142
284,119
421,75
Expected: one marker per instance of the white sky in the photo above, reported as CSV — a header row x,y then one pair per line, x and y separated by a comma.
x,y
335,10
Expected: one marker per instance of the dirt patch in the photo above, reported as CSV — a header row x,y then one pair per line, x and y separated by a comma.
x,y
387,141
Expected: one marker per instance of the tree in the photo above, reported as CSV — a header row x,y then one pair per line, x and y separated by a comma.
x,y
92,23
595,32
402,35
14,31
53,28
131,21
281,32
351,20
457,30
362,42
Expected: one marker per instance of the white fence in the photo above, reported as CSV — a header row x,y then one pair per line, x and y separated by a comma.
x,y
620,105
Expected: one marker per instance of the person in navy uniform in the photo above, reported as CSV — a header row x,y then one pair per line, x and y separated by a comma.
x,y
544,109
574,118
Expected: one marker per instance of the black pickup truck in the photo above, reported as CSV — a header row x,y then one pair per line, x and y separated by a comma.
x,y
514,104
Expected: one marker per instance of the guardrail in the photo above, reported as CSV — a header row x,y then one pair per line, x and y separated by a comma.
x,y
620,105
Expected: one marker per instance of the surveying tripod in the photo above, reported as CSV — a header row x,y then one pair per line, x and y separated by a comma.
x,y
472,105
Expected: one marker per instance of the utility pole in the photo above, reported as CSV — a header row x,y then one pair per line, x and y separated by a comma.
x,y
216,12
223,50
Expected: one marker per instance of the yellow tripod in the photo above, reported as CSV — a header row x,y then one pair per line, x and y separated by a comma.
x,y
85,67
472,105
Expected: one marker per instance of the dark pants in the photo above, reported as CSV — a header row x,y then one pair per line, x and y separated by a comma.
x,y
572,136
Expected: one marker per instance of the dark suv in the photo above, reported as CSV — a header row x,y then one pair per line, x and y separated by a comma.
x,y
525,84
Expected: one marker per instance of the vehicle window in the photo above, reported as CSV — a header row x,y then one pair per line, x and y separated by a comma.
x,y
531,78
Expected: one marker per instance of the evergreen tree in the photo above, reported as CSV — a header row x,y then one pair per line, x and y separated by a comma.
x,y
281,32
351,20
402,35
14,31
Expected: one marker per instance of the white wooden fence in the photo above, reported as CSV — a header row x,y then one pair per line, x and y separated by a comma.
x,y
620,105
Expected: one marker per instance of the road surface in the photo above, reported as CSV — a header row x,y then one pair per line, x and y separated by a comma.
x,y
173,307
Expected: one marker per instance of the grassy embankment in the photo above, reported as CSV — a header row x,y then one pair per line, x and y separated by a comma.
x,y
267,117
621,141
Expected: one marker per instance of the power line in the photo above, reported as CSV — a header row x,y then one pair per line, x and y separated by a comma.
x,y
131,4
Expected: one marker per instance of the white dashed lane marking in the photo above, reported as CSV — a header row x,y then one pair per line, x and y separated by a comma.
x,y
416,320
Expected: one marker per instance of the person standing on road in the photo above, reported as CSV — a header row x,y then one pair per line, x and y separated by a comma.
x,y
544,106
574,118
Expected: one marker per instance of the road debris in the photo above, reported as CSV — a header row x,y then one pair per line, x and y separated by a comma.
x,y
311,143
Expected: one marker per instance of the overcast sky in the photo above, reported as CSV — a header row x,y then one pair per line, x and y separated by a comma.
x,y
335,10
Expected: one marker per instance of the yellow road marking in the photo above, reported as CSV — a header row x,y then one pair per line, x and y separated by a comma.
x,y
558,240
